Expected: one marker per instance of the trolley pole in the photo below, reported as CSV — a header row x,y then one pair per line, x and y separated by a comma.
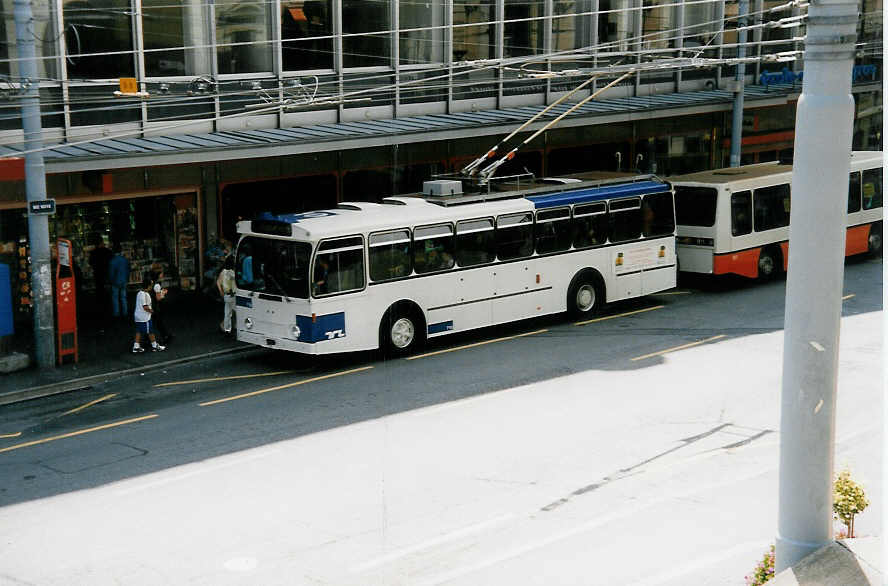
x,y
35,188
740,81
814,282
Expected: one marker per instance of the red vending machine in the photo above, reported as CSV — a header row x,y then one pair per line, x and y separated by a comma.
x,y
66,302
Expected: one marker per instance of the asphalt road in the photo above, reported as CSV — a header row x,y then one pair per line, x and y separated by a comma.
x,y
639,448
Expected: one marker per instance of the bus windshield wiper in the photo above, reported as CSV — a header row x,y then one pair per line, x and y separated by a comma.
x,y
278,287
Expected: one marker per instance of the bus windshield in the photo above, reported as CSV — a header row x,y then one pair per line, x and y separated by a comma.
x,y
277,267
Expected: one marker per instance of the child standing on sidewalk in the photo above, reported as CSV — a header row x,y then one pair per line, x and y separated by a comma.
x,y
142,316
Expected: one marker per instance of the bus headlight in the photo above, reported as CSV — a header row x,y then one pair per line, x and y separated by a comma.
x,y
248,323
295,331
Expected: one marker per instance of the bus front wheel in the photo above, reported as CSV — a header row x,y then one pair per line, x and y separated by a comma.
x,y
585,296
401,331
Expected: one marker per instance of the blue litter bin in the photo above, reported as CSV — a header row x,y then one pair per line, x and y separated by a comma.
x,y
5,301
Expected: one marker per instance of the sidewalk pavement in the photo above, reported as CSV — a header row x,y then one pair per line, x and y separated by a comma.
x,y
105,347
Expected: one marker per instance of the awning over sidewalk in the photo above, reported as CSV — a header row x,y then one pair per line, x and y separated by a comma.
x,y
121,153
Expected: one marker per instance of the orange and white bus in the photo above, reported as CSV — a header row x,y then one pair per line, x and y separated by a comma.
x,y
736,220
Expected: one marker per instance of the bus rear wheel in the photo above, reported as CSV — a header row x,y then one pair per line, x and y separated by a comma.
x,y
401,331
585,296
874,242
770,263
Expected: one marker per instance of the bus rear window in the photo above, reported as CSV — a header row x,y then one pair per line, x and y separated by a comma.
x,y
771,207
741,213
695,206
658,215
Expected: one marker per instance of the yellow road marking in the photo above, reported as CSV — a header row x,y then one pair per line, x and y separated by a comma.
x,y
286,386
218,378
589,321
76,433
846,297
475,344
682,347
16,434
90,404
672,293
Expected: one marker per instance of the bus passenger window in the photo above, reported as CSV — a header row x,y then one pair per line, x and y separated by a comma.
x,y
590,225
872,188
339,266
625,219
514,236
475,242
553,231
658,215
389,255
741,213
433,248
854,192
771,205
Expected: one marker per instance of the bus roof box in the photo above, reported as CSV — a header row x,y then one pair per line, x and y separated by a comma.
x,y
442,187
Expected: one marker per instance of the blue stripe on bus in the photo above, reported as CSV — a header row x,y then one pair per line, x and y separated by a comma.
x,y
597,194
243,302
324,327
444,326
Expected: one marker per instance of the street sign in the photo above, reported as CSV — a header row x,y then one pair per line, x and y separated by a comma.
x,y
42,206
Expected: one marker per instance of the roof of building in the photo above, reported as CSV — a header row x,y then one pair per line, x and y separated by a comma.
x,y
123,152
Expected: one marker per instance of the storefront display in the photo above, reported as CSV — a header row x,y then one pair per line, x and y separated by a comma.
x,y
155,233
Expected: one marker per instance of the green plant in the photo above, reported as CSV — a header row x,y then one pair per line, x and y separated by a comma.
x,y
848,500
764,571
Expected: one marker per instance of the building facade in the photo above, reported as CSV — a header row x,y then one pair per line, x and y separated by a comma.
x,y
290,105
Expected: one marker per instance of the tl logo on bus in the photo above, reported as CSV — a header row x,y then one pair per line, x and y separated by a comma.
x,y
333,334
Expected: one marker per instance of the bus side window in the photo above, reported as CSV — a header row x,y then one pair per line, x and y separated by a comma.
x,y
339,266
854,192
658,215
475,242
553,230
872,188
389,255
741,213
514,236
625,219
590,224
771,206
433,248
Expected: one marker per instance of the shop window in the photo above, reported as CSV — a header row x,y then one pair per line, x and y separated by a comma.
x,y
514,236
98,28
475,243
657,215
567,27
553,231
389,255
854,192
41,21
590,225
433,248
363,18
872,188
695,206
524,34
242,36
339,266
771,207
658,24
421,39
307,34
625,219
616,24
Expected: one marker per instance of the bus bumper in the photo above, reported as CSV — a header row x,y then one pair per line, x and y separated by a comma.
x,y
277,343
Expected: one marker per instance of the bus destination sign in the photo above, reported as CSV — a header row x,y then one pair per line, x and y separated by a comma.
x,y
42,206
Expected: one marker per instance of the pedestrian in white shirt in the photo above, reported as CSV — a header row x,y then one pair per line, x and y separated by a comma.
x,y
227,286
142,316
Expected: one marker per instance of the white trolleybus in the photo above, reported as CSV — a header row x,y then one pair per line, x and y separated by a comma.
x,y
736,220
391,274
